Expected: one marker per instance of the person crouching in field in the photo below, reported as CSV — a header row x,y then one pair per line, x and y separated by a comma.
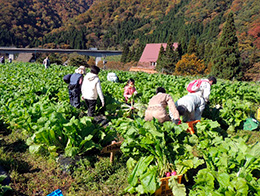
x,y
190,107
91,89
129,90
157,107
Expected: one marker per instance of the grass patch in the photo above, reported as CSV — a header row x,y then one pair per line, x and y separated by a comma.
x,y
39,175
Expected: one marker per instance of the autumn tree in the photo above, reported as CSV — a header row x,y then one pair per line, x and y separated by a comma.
x,y
190,65
226,60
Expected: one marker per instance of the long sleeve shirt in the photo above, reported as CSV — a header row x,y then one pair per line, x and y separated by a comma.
x,y
157,108
204,90
91,88
194,107
128,91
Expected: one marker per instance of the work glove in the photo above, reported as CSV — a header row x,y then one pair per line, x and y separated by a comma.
x,y
176,121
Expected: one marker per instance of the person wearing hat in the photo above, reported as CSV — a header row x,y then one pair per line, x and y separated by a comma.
x,y
91,89
75,81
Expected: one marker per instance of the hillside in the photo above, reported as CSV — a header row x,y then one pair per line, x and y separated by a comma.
x,y
109,24
22,21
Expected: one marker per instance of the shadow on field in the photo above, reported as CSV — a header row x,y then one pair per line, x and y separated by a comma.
x,y
190,176
19,165
14,193
17,146
4,128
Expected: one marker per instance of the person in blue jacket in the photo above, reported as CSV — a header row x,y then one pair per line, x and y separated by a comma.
x,y
75,81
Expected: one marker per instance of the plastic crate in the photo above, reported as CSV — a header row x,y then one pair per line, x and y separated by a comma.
x,y
164,189
258,114
250,124
191,126
56,193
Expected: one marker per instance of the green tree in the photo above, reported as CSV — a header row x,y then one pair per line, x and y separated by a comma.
x,y
192,47
160,60
172,56
201,50
167,59
125,53
180,50
138,52
130,55
208,52
226,61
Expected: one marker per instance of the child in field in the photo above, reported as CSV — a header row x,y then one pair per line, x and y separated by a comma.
x,y
129,90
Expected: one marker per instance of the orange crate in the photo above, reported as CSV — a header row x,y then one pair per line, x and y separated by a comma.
x,y
164,189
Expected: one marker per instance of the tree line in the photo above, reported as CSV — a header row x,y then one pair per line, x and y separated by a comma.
x,y
220,58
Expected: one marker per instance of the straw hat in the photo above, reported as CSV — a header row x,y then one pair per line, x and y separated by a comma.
x,y
81,70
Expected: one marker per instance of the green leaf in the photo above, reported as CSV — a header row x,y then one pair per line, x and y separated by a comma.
x,y
240,185
131,163
149,180
139,169
140,189
205,177
224,179
36,148
152,129
88,138
71,151
2,177
177,189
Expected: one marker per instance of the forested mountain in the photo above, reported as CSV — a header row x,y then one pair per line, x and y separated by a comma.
x,y
115,24
109,23
23,21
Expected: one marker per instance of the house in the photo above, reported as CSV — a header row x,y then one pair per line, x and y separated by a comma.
x,y
151,53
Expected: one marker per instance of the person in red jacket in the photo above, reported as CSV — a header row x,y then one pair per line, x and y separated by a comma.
x,y
129,90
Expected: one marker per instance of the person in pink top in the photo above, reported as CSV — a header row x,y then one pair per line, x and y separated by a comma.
x,y
129,89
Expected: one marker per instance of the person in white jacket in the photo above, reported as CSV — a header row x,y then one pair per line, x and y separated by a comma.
x,y
91,89
190,107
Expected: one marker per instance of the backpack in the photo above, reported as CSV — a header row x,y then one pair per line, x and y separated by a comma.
x,y
194,85
66,78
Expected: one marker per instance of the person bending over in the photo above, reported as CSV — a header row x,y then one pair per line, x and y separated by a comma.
x,y
157,107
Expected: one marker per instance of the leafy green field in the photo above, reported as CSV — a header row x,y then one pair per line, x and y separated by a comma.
x,y
39,129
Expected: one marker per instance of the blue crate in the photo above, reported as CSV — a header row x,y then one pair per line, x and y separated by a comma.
x,y
56,193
